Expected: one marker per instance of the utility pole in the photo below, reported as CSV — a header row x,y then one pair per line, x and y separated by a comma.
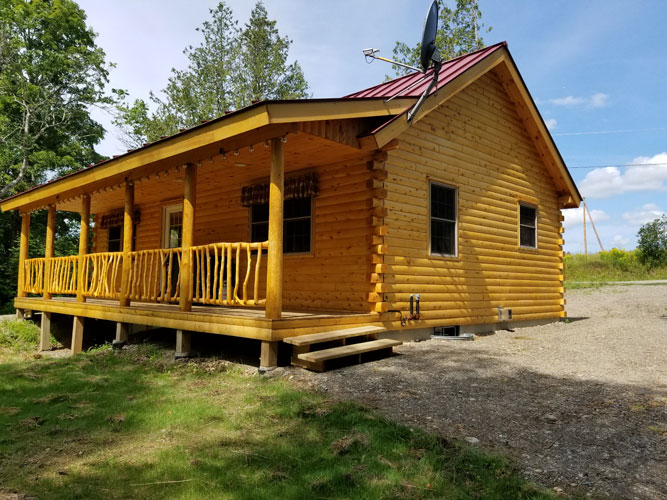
x,y
583,210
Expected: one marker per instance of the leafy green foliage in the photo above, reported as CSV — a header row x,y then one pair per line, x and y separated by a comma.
x,y
652,243
230,68
19,335
209,429
51,72
458,33
614,265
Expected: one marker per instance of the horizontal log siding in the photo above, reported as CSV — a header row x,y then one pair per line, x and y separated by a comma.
x,y
334,277
477,143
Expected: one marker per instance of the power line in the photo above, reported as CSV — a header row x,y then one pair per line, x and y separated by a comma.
x,y
599,132
624,165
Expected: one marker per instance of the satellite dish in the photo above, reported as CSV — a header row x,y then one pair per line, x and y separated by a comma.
x,y
429,55
428,49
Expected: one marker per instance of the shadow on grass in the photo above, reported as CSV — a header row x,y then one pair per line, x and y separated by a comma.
x,y
107,426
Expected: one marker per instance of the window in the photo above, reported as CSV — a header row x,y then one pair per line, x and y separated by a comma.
x,y
172,230
115,238
297,219
527,225
443,220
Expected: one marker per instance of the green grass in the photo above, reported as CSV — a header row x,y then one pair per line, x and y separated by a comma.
x,y
135,425
583,271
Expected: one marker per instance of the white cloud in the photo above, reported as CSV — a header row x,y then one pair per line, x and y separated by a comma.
x,y
621,242
596,100
574,217
551,123
610,181
647,213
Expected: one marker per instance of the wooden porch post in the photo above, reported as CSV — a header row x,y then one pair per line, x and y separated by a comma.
x,y
23,253
128,228
274,278
187,236
83,246
48,253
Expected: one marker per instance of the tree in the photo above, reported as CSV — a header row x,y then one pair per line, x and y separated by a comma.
x,y
228,70
51,72
263,72
652,242
458,33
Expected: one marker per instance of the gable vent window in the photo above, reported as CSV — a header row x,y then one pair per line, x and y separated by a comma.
x,y
443,220
527,225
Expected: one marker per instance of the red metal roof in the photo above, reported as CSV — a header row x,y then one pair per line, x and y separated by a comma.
x,y
449,70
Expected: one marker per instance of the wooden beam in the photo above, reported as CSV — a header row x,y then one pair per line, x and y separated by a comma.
x,y
122,334
183,344
83,246
45,332
77,334
48,252
274,278
187,238
23,252
128,228
268,359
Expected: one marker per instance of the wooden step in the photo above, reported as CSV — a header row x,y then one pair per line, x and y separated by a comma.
x,y
315,360
315,338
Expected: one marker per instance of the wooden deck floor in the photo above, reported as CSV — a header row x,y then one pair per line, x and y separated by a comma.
x,y
246,322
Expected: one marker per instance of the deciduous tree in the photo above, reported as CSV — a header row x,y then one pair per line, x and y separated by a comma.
x,y
458,33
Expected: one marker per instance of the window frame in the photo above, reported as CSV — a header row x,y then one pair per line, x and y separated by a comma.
x,y
167,210
311,242
122,238
454,255
520,225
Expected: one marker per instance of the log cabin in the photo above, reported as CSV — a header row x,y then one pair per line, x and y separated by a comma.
x,y
320,220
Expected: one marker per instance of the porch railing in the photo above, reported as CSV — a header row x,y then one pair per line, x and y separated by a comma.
x,y
33,281
227,274
103,276
63,275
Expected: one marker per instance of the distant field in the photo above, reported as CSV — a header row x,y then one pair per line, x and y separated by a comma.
x,y
615,265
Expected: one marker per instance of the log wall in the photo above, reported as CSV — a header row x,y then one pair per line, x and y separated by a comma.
x,y
477,143
333,277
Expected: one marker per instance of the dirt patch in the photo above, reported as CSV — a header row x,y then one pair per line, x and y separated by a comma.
x,y
581,406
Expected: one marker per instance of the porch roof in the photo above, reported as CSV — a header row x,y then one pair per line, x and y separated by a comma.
x,y
256,122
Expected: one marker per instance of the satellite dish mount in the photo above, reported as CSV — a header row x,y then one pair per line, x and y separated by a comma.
x,y
429,57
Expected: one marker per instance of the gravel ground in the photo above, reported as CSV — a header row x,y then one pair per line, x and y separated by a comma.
x,y
581,406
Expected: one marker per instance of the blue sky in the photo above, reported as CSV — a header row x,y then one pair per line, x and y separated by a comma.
x,y
594,67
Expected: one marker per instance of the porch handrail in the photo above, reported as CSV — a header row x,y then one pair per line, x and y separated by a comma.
x,y
152,275
103,277
33,277
62,275
215,263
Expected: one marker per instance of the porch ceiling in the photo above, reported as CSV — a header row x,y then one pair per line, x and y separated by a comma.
x,y
252,163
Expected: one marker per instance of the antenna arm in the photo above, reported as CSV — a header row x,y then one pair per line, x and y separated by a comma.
x,y
392,62
436,73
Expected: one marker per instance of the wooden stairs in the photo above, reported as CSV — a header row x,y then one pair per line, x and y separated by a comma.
x,y
360,342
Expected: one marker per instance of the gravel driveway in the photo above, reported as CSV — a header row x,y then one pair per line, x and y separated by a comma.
x,y
581,406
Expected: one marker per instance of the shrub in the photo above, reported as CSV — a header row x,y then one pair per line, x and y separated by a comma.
x,y
19,335
652,243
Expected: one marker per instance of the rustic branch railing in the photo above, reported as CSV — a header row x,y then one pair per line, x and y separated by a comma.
x,y
155,275
62,275
223,272
103,275
226,274
34,275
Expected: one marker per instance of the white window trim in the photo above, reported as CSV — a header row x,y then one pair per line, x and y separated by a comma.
x,y
166,212
456,220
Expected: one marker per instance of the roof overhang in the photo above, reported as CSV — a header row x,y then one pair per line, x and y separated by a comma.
x,y
502,62
272,117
